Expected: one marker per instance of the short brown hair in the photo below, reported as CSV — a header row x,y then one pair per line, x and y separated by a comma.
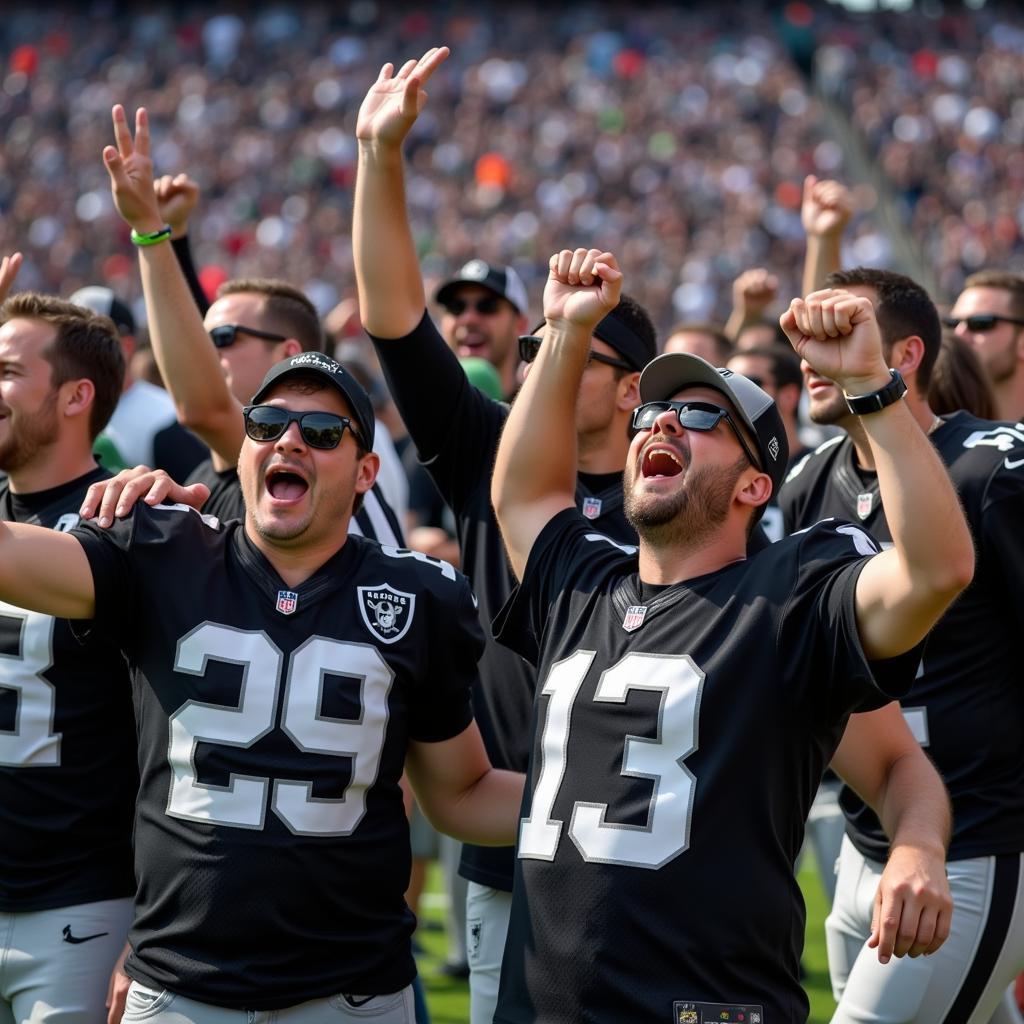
x,y
1004,279
959,381
724,347
85,345
288,311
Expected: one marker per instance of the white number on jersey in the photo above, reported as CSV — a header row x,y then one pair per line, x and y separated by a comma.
x,y
242,803
33,742
667,831
446,569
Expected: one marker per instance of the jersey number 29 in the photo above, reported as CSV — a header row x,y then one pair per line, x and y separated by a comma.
x,y
243,801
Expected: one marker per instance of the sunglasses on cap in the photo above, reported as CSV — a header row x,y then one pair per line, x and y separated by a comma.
x,y
702,416
529,347
226,335
325,430
980,323
487,305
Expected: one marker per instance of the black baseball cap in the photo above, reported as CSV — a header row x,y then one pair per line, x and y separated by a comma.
x,y
102,300
671,373
615,330
324,366
503,281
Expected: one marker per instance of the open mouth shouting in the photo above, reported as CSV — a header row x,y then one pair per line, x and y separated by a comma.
x,y
286,484
660,462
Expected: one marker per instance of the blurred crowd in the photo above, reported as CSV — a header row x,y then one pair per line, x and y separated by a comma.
x,y
678,139
938,99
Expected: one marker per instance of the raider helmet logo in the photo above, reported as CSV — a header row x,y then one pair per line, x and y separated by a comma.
x,y
387,612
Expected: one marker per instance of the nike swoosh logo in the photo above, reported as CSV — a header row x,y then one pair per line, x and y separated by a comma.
x,y
1012,465
75,940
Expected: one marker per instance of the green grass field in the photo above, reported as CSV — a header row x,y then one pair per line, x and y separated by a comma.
x,y
449,1000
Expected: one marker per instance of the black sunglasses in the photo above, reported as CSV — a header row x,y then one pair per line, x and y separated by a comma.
x,y
702,416
225,335
980,323
318,429
529,346
486,306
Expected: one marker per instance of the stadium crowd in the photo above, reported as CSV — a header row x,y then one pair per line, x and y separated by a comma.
x,y
317,215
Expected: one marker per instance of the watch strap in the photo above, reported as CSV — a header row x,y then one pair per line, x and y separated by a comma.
x,y
875,401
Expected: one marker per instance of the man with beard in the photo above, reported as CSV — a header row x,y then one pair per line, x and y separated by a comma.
x,y
989,314
690,697
965,706
68,776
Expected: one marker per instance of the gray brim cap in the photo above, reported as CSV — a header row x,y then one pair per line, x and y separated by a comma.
x,y
332,371
673,372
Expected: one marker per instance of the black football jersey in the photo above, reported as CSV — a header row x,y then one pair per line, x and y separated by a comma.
x,y
68,774
967,703
376,520
458,448
680,735
271,837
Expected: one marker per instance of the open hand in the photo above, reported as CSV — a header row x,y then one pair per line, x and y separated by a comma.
x,y
131,172
117,496
394,101
583,286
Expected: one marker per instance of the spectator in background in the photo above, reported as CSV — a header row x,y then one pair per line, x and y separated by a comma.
x,y
752,293
989,314
485,311
700,339
959,381
760,334
144,428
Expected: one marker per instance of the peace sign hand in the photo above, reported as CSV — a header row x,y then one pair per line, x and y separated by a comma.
x,y
131,172
394,101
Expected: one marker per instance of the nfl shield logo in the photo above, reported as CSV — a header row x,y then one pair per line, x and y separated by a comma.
x,y
287,601
634,617
591,507
864,504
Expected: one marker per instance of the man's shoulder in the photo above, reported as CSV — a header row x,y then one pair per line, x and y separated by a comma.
x,y
404,567
975,447
810,467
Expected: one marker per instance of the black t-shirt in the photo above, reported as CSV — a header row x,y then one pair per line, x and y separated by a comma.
x,y
456,428
376,520
680,736
68,774
967,703
272,846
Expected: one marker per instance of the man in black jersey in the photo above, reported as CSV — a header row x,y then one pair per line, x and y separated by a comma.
x,y
254,324
68,773
965,707
455,428
689,701
285,672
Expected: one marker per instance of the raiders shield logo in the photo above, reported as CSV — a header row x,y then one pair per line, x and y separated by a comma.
x,y
591,507
387,612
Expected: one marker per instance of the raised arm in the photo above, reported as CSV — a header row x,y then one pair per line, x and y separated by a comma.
x,y
902,592
825,212
9,267
535,470
187,359
391,298
880,759
752,292
45,571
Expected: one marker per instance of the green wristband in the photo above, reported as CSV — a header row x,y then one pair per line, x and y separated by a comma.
x,y
153,237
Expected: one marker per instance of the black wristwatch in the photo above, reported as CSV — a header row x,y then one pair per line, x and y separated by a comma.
x,y
861,405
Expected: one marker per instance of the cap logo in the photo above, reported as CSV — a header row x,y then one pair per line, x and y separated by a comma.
x,y
316,360
475,270
773,448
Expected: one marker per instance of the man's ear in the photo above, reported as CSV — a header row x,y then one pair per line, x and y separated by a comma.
x,y
290,347
628,397
366,473
76,397
906,355
755,490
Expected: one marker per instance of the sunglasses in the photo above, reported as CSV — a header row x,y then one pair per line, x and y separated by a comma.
x,y
486,306
225,335
529,347
980,323
266,423
702,416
